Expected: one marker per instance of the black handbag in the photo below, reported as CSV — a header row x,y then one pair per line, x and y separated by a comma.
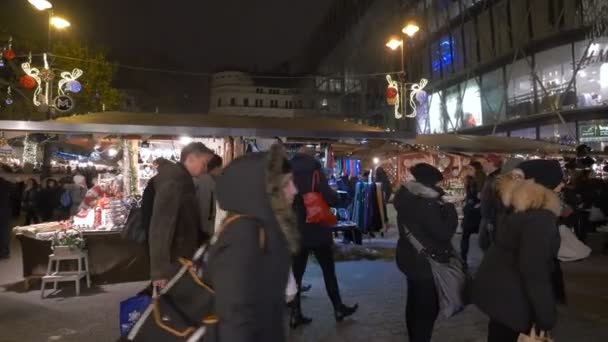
x,y
184,309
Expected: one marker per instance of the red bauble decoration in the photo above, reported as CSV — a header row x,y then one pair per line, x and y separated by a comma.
x,y
9,55
391,95
27,82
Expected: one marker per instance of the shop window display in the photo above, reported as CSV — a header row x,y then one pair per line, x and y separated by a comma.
x,y
520,90
471,104
453,107
525,133
436,118
559,133
554,71
492,101
592,78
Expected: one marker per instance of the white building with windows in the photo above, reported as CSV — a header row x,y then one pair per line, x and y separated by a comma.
x,y
238,93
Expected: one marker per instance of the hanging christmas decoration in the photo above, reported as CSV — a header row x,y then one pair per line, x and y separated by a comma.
x,y
30,151
9,97
69,82
26,81
393,96
8,53
417,91
43,78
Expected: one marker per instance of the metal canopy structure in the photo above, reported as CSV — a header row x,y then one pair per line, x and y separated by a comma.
x,y
203,125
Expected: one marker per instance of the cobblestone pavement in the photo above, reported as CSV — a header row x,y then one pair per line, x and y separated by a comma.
x,y
376,285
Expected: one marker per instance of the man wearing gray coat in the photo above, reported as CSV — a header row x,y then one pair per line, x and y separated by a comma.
x,y
205,192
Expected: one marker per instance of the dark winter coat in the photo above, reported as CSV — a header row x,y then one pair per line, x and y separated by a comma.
x,y
432,221
471,208
6,190
514,283
31,199
312,235
49,201
490,209
175,224
249,263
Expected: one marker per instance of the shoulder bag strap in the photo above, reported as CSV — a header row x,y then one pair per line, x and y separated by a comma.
x,y
413,240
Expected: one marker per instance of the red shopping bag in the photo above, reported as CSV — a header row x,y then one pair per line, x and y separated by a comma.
x,y
317,210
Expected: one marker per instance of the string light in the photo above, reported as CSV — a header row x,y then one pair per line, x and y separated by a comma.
x,y
30,151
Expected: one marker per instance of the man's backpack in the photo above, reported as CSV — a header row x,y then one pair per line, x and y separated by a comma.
x,y
137,227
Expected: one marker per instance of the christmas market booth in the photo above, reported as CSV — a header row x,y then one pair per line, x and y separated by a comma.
x,y
129,143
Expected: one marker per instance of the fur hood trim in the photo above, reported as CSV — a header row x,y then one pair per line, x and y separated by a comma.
x,y
525,194
283,211
421,190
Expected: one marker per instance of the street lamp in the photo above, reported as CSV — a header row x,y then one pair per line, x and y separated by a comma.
x,y
411,29
41,5
59,23
56,22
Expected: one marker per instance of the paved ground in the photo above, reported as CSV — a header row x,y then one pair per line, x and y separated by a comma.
x,y
377,286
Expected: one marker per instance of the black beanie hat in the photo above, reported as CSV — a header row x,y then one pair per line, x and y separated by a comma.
x,y
426,174
547,173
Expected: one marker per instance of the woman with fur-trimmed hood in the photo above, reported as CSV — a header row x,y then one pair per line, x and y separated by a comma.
x,y
433,222
248,265
516,284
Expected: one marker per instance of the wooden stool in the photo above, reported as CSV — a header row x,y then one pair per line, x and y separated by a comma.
x,y
54,275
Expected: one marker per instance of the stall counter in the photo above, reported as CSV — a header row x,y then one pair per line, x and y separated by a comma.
x,y
112,259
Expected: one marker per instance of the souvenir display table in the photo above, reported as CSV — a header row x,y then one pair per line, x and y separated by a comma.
x,y
112,259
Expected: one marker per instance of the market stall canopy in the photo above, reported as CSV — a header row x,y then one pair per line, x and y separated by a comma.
x,y
203,125
486,143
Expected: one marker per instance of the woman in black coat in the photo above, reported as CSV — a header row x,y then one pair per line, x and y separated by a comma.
x,y
249,263
421,210
472,214
519,281
315,239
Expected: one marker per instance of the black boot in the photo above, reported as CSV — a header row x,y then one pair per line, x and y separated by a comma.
x,y
342,311
296,318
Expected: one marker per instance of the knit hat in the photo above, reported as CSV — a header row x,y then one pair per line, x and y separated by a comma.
x,y
426,174
547,173
510,165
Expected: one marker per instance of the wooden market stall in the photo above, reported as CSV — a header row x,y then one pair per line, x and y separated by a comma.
x,y
112,258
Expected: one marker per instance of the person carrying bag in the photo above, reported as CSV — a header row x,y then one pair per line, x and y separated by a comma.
x,y
435,276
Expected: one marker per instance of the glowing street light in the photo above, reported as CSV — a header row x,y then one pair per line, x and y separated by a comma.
x,y
59,23
393,44
41,5
411,29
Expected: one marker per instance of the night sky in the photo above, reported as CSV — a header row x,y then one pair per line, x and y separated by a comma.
x,y
191,35
197,34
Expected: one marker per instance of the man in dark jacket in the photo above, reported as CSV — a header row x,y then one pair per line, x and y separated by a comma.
x,y
315,238
6,189
175,225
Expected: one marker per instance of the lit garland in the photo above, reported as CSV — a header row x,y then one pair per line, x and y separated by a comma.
x,y
30,151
